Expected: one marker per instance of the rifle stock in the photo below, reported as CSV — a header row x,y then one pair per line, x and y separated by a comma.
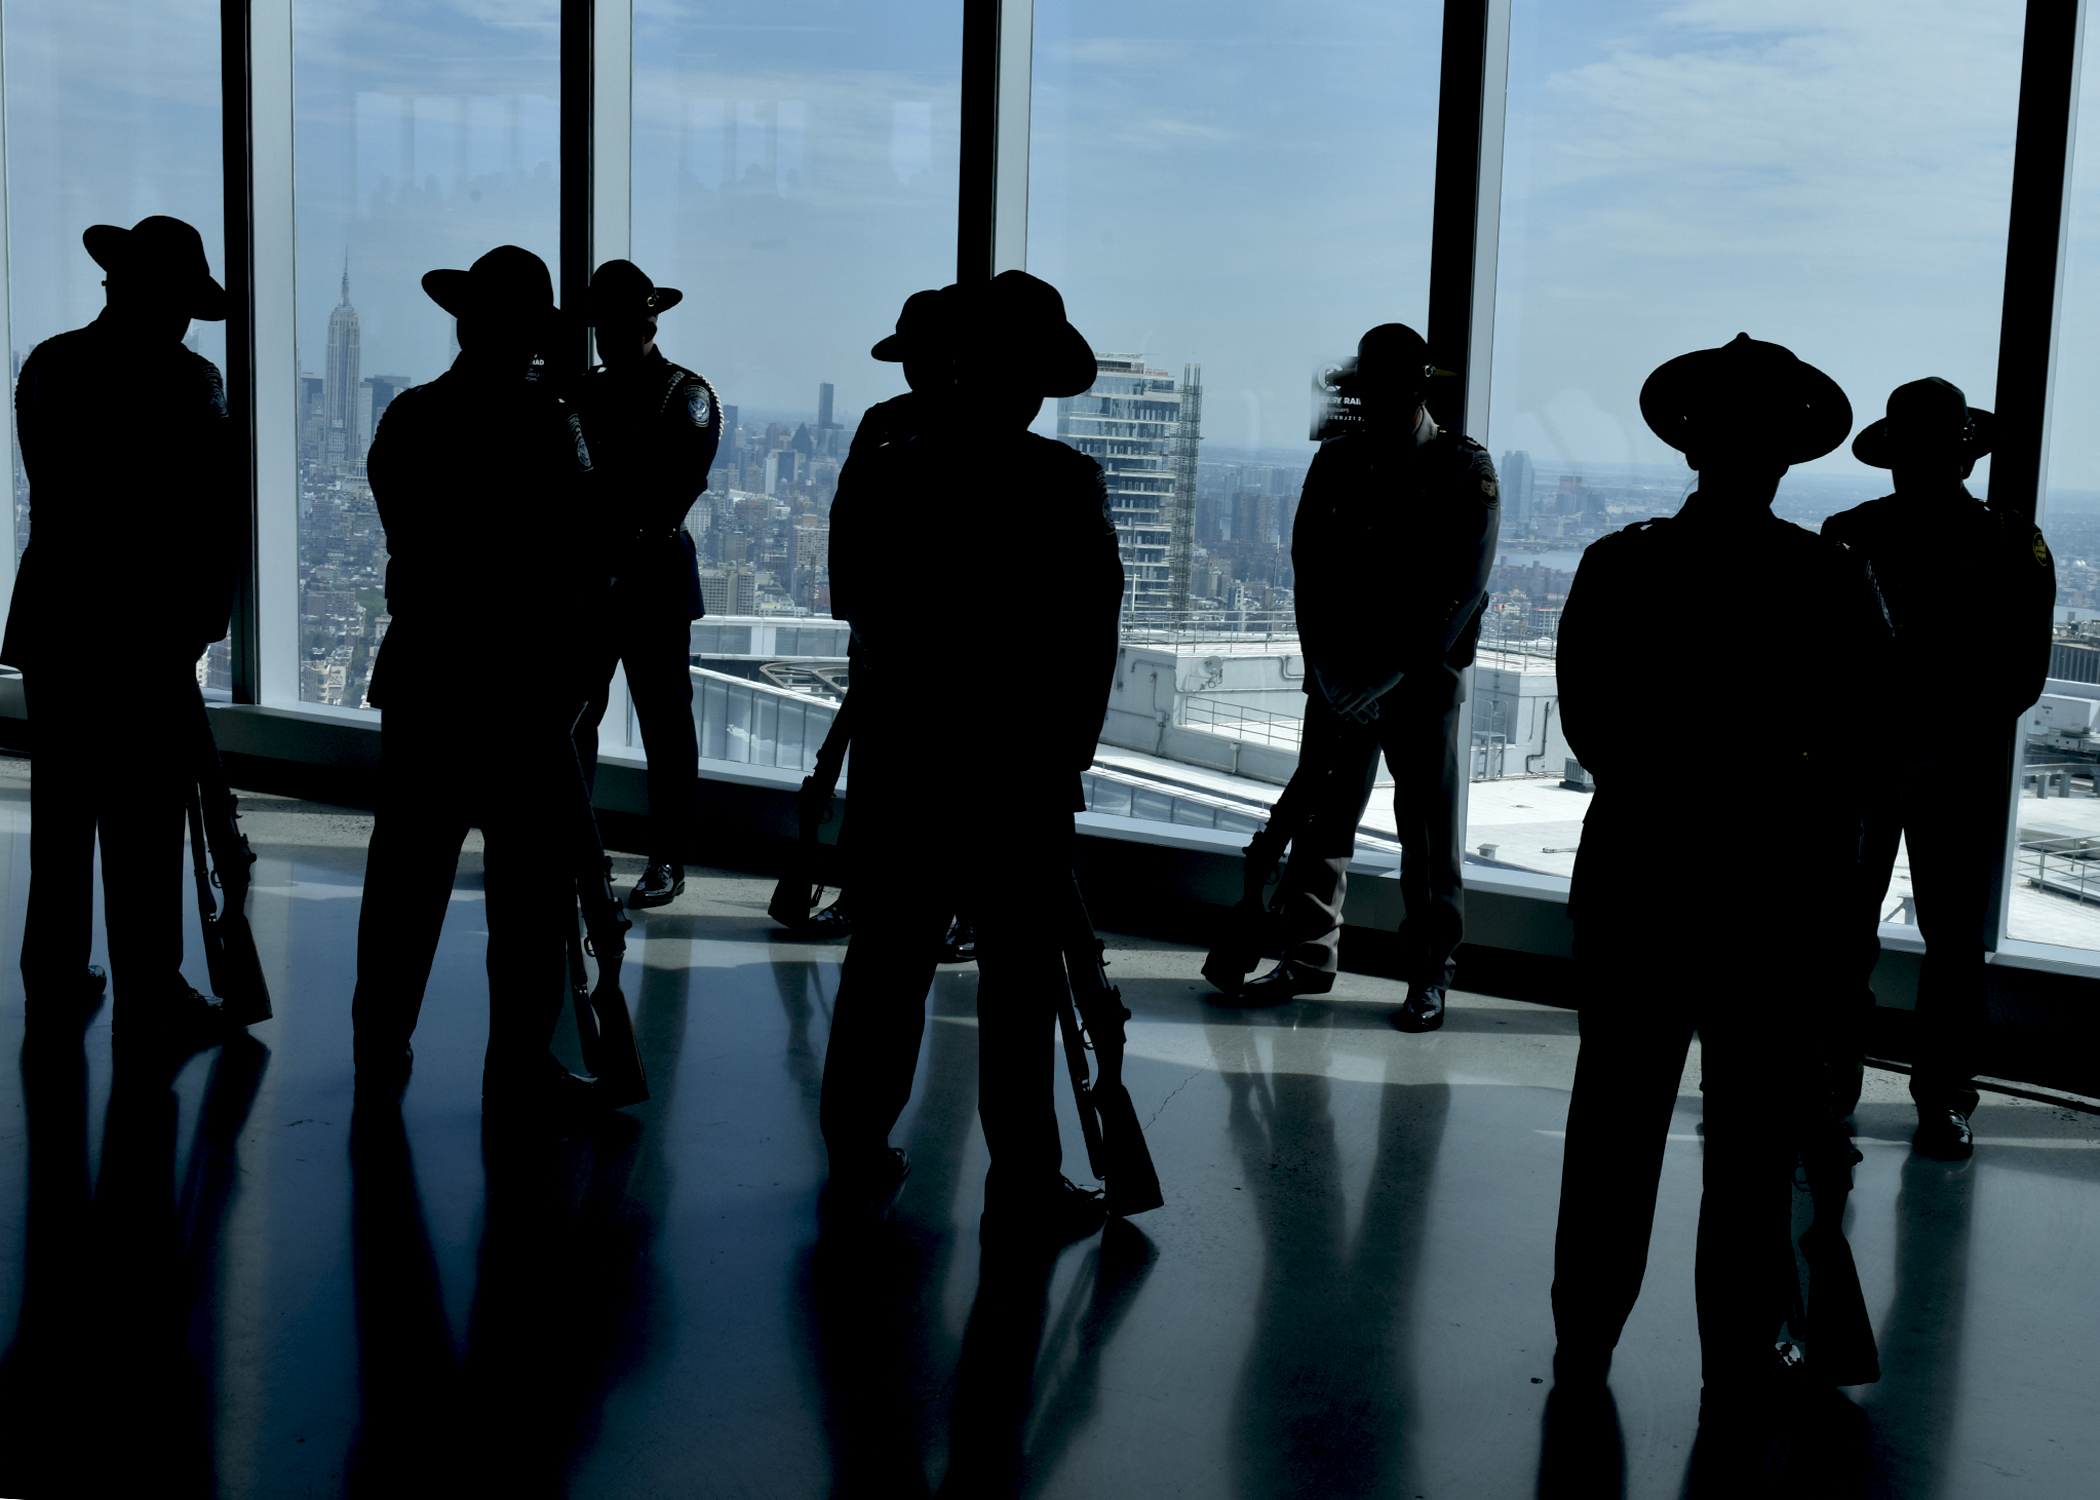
x,y
798,891
604,1030
229,943
1115,1140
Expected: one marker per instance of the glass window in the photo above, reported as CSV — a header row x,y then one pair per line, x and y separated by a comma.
x,y
2055,890
112,115
1827,178
795,175
1228,195
427,132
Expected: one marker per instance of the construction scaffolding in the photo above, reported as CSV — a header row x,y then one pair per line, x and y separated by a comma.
x,y
1181,508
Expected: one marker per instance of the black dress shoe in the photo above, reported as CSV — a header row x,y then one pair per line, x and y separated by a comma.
x,y
382,1074
69,1000
1944,1135
538,1096
1287,981
185,1018
1043,1219
869,1179
1424,1010
832,924
660,885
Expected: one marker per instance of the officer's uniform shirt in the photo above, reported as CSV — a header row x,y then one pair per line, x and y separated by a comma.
x,y
863,493
480,480
653,428
1046,521
1391,551
137,520
1726,733
1971,593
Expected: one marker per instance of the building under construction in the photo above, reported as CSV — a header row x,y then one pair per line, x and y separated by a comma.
x,y
1144,430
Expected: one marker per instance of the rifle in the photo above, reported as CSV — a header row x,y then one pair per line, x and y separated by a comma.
x,y
1115,1142
229,943
1248,933
603,1028
1840,1336
799,891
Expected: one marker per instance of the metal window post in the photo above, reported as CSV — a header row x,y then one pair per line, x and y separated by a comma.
x,y
2028,327
992,198
1465,238
262,351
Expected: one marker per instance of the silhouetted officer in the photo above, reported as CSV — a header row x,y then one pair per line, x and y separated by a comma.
x,y
653,429
1705,901
936,801
480,476
138,526
1971,592
1392,545
922,344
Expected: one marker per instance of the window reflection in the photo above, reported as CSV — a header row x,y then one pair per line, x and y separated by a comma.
x,y
113,114
1675,175
426,134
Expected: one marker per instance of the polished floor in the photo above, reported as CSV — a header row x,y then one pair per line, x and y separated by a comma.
x,y
233,1285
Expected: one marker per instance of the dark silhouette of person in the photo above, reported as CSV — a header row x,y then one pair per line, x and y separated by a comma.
x,y
653,428
1394,537
1971,592
127,578
925,818
922,343
480,477
1803,631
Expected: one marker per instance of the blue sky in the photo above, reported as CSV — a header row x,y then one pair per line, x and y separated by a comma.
x,y
1245,185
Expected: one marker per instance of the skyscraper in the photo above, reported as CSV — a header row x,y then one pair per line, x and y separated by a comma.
x,y
1517,481
824,422
339,383
1143,430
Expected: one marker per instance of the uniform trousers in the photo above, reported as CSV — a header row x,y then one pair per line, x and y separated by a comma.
x,y
912,869
655,650
1951,812
1646,990
91,780
1420,744
442,773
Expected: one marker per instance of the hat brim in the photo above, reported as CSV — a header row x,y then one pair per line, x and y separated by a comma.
x,y
201,296
893,350
1872,446
1803,419
456,293
1066,361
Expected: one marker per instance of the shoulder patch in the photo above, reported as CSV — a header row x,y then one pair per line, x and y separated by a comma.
x,y
2042,558
699,406
1488,487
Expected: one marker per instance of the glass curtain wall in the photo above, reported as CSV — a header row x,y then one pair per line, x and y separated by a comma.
x,y
427,132
112,114
2055,885
795,175
1228,195
1832,178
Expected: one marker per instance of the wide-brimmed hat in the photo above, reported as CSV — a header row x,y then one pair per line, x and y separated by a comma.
x,y
620,290
508,282
1928,418
1746,399
924,326
1393,357
1017,322
164,251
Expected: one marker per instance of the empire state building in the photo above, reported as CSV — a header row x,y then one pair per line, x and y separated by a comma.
x,y
341,443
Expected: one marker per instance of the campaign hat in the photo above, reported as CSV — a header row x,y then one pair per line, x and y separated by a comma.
x,y
165,251
1393,357
1019,323
508,282
1928,418
1746,399
620,289
924,326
